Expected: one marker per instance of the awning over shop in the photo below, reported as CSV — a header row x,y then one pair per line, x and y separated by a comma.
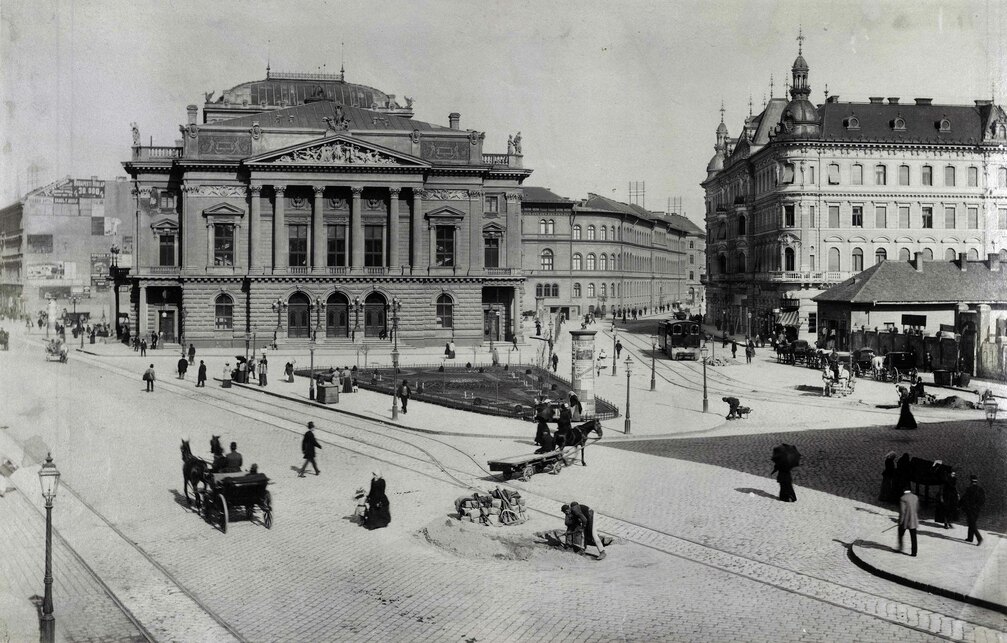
x,y
789,318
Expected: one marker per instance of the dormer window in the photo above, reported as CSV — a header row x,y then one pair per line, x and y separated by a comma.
x,y
852,123
899,124
944,125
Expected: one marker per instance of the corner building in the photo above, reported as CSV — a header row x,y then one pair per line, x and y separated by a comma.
x,y
810,195
312,217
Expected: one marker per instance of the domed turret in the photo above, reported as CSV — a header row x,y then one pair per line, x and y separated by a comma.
x,y
716,164
800,117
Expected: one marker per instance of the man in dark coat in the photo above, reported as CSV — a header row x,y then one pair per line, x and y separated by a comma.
x,y
909,508
308,446
563,426
378,508
544,438
192,354
734,403
183,367
404,394
555,362
201,375
143,348
585,516
972,503
234,460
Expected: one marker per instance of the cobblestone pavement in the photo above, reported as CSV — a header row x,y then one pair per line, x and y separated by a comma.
x,y
318,576
83,609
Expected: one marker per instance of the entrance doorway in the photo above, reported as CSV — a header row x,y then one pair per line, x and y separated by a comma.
x,y
337,316
492,323
298,316
374,315
166,325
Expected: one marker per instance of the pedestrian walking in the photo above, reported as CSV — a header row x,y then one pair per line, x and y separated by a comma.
x,y
972,503
288,371
785,479
192,354
149,378
734,350
749,353
947,502
538,327
201,375
308,446
909,507
555,362
143,347
495,355
513,340
404,394
618,349
183,366
378,512
888,479
906,419
263,370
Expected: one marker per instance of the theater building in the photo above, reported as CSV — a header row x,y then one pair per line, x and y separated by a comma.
x,y
311,207
806,196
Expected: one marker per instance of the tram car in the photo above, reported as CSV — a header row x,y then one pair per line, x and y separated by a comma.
x,y
679,339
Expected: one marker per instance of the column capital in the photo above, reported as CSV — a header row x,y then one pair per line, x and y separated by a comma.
x,y
476,194
513,196
394,191
279,189
255,189
419,194
319,190
357,190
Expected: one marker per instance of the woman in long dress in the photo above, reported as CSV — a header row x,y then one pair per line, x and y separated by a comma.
x,y
378,513
906,419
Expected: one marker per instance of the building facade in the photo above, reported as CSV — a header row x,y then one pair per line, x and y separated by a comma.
x,y
56,244
807,196
603,257
328,220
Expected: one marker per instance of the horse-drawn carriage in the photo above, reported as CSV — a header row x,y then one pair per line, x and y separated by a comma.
x,y
525,466
224,491
4,339
56,349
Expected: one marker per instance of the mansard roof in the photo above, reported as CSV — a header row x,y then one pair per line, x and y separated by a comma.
x,y
312,116
937,282
532,194
876,122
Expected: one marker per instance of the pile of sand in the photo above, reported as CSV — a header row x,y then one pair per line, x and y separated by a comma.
x,y
954,402
471,540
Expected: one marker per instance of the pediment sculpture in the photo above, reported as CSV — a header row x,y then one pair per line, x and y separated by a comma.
x,y
338,153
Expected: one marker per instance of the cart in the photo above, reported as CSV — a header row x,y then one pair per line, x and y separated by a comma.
x,y
224,492
525,466
56,350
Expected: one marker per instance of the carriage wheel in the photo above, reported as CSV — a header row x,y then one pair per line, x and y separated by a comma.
x,y
267,510
223,514
508,517
528,472
895,375
556,467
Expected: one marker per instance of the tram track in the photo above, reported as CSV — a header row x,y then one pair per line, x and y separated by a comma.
x,y
355,430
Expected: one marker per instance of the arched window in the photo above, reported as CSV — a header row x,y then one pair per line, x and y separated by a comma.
x,y
550,226
1002,177
223,312
541,226
590,291
858,260
446,311
722,264
546,259
576,291
973,254
539,290
928,254
904,254
590,259
613,233
603,261
604,233
740,262
555,290
788,259
950,254
577,263
880,175
880,255
611,261
576,232
834,259
604,289
741,226
590,233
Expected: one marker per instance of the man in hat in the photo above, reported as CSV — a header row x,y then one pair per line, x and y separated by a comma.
x,y
909,506
734,403
308,446
972,503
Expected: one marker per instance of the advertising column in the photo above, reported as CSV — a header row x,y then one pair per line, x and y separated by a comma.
x,y
582,377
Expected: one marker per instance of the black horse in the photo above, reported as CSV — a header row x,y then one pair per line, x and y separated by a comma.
x,y
194,469
576,438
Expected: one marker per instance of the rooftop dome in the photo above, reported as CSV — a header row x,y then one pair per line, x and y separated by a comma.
x,y
800,63
722,129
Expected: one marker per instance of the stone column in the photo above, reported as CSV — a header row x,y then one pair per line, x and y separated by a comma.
x,y
254,233
393,227
239,250
416,233
141,313
583,364
318,233
511,252
279,231
184,256
475,242
209,244
356,231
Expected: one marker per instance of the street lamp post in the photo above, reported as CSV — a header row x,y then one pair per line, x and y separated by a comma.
x,y
749,323
278,307
615,340
396,305
48,477
628,424
653,363
311,378
706,401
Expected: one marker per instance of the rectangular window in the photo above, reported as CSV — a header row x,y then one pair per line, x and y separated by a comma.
x,y
949,176
904,217
297,245
857,175
973,177
335,250
445,255
811,215
880,175
97,226
1002,217
880,217
167,201
374,246
788,216
692,259
223,244
811,262
166,250
858,216
903,175
491,252
492,205
833,174
928,175
973,216
811,174
788,173
949,218
40,244
928,216
691,275
812,323
833,216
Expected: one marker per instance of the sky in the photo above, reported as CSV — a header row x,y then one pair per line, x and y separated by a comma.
x,y
603,92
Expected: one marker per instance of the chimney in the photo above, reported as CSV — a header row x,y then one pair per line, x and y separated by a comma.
x,y
919,262
983,102
876,100
893,100
994,259
192,109
832,99
454,120
924,101
963,262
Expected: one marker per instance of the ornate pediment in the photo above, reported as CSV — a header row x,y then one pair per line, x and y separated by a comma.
x,y
339,150
223,210
787,239
445,213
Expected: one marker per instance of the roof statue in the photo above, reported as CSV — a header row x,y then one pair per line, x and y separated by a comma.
x,y
517,143
136,134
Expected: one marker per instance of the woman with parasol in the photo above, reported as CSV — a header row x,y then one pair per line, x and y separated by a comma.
x,y
785,458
